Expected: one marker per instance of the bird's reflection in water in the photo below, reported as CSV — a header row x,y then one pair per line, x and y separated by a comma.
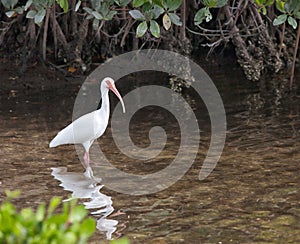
x,y
85,185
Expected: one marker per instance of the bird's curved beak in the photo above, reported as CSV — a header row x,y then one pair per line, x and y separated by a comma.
x,y
115,91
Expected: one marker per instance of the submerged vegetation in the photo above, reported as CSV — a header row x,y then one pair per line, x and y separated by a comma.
x,y
264,34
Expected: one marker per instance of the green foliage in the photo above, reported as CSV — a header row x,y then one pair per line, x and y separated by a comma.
x,y
150,10
141,29
171,5
37,9
290,10
280,19
138,3
9,4
154,28
214,3
263,4
123,240
147,12
44,225
101,11
136,14
63,4
175,19
204,13
292,22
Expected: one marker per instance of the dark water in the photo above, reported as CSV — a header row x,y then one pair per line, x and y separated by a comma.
x,y
251,196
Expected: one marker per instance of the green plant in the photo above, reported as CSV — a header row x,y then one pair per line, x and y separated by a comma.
x,y
45,225
117,23
204,13
289,9
289,13
123,240
150,11
36,9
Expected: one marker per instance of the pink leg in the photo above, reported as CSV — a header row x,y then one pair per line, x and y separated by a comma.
x,y
86,158
88,173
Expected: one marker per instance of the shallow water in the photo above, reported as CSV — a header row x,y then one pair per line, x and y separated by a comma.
x,y
251,196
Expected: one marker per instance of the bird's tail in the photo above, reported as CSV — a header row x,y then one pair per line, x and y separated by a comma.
x,y
54,142
65,136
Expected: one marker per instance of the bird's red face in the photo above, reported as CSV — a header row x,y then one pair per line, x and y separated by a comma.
x,y
111,86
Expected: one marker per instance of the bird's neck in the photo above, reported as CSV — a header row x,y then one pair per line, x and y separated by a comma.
x,y
105,101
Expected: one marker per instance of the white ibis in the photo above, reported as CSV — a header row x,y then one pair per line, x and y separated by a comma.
x,y
91,126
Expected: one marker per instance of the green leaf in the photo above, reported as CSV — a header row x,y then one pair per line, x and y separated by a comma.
x,y
147,7
280,6
30,14
19,10
28,4
292,22
208,15
77,214
280,19
97,15
200,16
96,4
26,213
141,29
210,3
269,3
159,3
157,11
87,227
154,28
110,15
124,2
77,6
10,13
214,3
9,4
70,237
258,2
55,219
221,3
138,3
40,212
96,23
297,15
38,18
296,7
55,201
123,240
90,16
173,4
136,14
104,9
88,10
63,4
175,19
288,7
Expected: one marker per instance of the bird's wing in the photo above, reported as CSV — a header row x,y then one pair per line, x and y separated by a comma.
x,y
85,128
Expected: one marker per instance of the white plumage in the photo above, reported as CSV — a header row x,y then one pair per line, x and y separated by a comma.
x,y
91,126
